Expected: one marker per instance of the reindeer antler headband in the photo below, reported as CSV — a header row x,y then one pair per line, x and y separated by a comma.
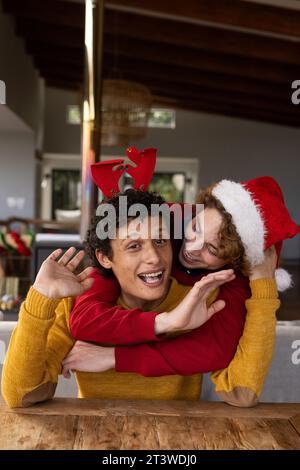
x,y
106,175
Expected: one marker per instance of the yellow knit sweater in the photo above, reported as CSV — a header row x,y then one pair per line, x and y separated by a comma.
x,y
42,339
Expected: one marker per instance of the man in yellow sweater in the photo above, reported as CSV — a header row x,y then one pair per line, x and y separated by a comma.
x,y
42,338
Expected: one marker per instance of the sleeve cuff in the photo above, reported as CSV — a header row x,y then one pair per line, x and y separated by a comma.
x,y
143,328
264,289
123,358
40,306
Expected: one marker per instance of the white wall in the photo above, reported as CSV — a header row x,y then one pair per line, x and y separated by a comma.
x,y
24,88
226,148
60,137
17,174
21,123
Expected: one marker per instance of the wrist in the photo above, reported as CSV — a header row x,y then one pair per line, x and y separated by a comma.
x,y
261,274
40,306
161,323
45,291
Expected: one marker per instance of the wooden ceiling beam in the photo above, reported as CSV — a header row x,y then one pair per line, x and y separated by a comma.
x,y
62,84
140,68
199,106
54,12
188,92
236,13
47,34
162,31
202,60
230,111
189,76
59,70
230,108
164,54
52,52
221,97
202,37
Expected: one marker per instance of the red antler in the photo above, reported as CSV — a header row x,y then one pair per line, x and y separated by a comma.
x,y
145,163
106,178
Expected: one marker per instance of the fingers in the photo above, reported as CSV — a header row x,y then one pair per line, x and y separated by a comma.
x,y
55,254
77,348
271,250
203,288
68,359
66,373
224,272
271,254
218,277
68,259
215,307
85,274
211,286
87,284
72,265
67,256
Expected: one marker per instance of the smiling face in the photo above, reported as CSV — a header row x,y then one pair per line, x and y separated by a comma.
x,y
200,246
141,261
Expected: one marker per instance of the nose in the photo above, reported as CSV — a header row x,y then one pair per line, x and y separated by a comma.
x,y
195,244
194,238
151,254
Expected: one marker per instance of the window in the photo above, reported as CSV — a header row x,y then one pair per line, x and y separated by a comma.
x,y
73,114
66,190
169,185
158,117
165,118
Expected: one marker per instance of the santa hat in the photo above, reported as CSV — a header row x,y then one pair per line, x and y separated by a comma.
x,y
261,218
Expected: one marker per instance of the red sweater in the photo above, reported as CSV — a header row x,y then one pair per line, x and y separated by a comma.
x,y
96,318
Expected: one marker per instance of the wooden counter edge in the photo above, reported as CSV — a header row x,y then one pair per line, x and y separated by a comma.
x,y
96,407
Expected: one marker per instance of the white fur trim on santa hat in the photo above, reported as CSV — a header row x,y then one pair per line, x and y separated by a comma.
x,y
283,279
237,201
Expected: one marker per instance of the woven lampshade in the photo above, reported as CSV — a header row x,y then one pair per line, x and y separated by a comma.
x,y
125,110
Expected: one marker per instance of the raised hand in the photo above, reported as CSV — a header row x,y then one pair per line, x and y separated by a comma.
x,y
193,311
56,278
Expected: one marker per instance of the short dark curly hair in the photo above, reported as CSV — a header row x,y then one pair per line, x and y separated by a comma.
x,y
93,242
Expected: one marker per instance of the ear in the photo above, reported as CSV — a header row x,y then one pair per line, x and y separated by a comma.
x,y
103,259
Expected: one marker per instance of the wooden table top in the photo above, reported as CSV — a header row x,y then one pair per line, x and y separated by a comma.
x,y
66,423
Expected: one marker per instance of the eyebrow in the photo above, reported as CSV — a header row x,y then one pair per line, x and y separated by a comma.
x,y
160,234
129,238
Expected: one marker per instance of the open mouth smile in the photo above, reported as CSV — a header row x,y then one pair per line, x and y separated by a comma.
x,y
153,278
189,258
